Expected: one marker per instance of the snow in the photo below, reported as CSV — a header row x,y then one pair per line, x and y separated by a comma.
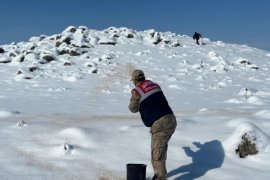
x,y
262,140
64,98
5,113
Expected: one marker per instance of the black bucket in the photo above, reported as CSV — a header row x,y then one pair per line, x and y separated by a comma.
x,y
136,171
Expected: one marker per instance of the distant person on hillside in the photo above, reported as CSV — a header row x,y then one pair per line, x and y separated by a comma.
x,y
197,36
148,98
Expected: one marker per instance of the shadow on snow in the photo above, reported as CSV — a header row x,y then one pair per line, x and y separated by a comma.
x,y
209,156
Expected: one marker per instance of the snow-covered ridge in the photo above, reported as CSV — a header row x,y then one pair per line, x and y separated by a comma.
x,y
80,53
75,44
79,43
76,41
108,56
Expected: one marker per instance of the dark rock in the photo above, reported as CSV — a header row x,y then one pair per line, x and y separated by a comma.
x,y
62,52
21,58
18,58
67,40
130,36
157,41
116,36
48,58
2,50
75,45
175,44
247,147
73,30
58,43
12,54
41,38
85,46
245,62
155,36
94,71
255,68
28,78
27,52
32,48
84,51
4,61
58,37
74,53
167,41
107,43
67,64
33,68
91,65
19,72
152,34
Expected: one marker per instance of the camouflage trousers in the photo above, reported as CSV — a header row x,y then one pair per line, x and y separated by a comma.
x,y
161,131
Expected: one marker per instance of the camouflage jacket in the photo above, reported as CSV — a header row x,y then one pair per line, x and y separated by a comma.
x,y
134,105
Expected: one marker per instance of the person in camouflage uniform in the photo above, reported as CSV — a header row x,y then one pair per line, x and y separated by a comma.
x,y
148,98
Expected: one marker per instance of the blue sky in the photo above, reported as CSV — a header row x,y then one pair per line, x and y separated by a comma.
x,y
231,21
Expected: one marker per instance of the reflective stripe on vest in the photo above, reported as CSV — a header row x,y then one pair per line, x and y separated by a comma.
x,y
147,88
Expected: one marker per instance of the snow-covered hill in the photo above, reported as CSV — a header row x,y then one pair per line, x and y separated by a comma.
x,y
74,87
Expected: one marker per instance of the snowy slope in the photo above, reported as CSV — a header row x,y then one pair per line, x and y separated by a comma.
x,y
74,87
